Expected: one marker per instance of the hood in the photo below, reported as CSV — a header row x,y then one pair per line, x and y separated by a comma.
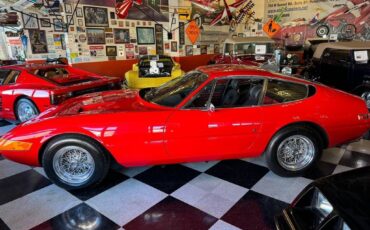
x,y
72,79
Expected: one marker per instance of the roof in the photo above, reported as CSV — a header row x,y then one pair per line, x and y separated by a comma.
x,y
32,66
352,45
249,40
349,193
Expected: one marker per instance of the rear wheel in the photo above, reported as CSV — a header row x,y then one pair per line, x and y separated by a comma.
x,y
25,110
322,31
74,162
293,150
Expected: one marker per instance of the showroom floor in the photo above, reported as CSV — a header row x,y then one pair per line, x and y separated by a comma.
x,y
228,194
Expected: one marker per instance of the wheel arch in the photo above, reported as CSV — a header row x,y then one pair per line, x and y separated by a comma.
x,y
19,97
77,135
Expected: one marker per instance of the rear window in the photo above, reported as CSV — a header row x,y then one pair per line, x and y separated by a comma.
x,y
50,73
282,91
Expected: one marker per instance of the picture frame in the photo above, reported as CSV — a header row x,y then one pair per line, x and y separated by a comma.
x,y
143,50
80,22
30,21
70,20
145,35
173,46
111,51
189,50
68,8
96,16
112,15
95,36
216,49
120,23
121,36
38,41
45,22
203,49
79,12
127,23
58,25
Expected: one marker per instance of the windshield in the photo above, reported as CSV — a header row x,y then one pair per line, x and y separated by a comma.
x,y
173,92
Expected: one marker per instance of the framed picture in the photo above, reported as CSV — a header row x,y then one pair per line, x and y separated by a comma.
x,y
121,36
30,21
68,8
70,20
96,16
143,50
112,15
80,22
111,51
127,23
145,35
79,12
45,22
173,46
95,36
113,22
120,23
216,48
58,25
189,50
38,41
203,49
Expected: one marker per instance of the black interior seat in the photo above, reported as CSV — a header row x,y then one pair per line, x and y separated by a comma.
x,y
254,95
232,94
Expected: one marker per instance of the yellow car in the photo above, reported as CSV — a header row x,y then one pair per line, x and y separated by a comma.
x,y
152,71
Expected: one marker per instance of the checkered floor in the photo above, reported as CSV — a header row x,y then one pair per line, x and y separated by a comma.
x,y
232,194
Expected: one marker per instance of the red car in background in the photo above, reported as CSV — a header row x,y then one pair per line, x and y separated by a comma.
x,y
215,112
27,90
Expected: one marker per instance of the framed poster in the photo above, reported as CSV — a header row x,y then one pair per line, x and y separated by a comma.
x,y
203,49
58,25
38,41
143,50
173,46
96,16
45,22
158,38
68,8
30,21
80,22
70,20
182,33
121,36
111,51
79,12
145,35
95,36
189,50
216,48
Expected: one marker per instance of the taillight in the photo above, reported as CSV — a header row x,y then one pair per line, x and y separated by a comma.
x,y
364,116
59,98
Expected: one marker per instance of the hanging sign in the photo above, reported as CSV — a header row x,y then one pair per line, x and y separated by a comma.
x,y
193,32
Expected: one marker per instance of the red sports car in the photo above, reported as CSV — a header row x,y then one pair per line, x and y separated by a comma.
x,y
214,112
27,90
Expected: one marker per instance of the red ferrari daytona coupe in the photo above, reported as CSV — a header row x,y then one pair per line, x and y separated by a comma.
x,y
27,90
214,112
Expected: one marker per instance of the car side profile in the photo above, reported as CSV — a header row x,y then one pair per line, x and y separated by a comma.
x,y
27,90
214,112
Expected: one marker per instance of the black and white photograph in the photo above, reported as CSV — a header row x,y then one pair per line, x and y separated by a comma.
x,y
173,46
111,51
145,35
68,8
38,41
80,22
189,50
70,20
30,21
45,22
96,16
95,36
79,12
58,25
121,36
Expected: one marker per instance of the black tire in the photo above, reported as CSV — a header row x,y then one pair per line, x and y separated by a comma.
x,y
271,154
322,31
348,31
98,154
25,102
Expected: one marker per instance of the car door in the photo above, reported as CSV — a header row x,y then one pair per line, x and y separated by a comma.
x,y
227,129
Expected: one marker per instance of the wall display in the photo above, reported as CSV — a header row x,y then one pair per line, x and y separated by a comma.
x,y
30,21
203,49
112,15
127,23
156,10
79,12
45,22
82,38
173,46
57,38
121,36
189,50
182,33
216,49
113,22
95,36
111,51
145,35
38,41
97,51
132,24
108,30
80,22
70,20
96,16
58,25
120,23
71,29
109,35
68,8
121,51
129,50
143,50
158,38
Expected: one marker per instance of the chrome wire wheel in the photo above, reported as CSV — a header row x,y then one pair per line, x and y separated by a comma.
x,y
26,110
73,165
295,152
366,97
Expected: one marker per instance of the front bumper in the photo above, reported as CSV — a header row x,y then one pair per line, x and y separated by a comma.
x,y
19,151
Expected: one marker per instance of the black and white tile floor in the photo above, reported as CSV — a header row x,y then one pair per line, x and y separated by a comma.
x,y
231,194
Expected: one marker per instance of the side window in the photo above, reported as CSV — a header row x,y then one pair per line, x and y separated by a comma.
x,y
281,91
201,99
8,77
3,74
238,92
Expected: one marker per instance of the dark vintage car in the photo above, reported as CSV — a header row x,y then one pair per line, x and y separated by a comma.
x,y
335,202
249,51
342,65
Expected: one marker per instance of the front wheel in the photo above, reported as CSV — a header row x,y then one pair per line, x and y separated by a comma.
x,y
322,30
74,162
293,150
25,110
